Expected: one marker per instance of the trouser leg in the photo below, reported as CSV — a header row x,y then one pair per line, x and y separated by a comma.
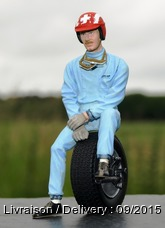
x,y
63,143
109,123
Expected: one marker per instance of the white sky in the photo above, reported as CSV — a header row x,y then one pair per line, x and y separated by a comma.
x,y
37,39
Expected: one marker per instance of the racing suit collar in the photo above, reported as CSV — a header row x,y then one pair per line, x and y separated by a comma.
x,y
91,60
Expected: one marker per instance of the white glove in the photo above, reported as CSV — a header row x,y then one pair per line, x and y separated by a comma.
x,y
80,133
77,120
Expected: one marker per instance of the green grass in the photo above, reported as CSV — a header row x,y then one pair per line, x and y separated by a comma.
x,y
25,157
144,145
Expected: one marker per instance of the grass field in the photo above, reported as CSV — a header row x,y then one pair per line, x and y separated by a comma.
x,y
25,157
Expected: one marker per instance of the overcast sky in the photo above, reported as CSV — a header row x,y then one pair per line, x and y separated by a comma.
x,y
37,40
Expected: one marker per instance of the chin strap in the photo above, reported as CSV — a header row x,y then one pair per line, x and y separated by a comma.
x,y
90,63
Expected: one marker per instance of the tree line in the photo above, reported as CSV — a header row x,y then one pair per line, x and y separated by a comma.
x,y
134,107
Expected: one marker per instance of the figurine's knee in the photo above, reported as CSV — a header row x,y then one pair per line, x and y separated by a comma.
x,y
58,151
111,117
109,112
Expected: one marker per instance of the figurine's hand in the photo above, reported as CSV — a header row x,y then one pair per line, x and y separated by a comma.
x,y
77,120
80,133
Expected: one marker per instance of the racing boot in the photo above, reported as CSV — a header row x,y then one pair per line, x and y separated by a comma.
x,y
50,209
103,169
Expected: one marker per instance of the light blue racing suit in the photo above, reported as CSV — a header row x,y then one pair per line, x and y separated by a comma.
x,y
98,91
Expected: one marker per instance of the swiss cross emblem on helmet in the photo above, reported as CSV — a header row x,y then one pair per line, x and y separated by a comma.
x,y
92,18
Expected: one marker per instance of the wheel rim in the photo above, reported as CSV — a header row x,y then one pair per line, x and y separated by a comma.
x,y
110,189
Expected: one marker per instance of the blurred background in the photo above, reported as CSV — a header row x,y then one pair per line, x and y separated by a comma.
x,y
37,40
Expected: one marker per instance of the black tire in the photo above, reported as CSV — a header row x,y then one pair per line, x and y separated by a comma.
x,y
84,164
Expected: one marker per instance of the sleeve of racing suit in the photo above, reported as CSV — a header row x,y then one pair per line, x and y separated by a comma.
x,y
116,92
69,93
